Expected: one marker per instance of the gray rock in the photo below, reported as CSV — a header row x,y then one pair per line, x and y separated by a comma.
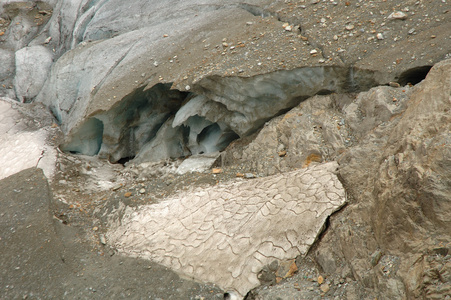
x,y
198,163
20,32
7,69
226,234
32,67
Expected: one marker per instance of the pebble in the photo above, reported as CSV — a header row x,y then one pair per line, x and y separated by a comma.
x,y
398,15
142,191
325,288
116,187
376,257
349,27
314,51
102,239
249,176
380,36
128,194
282,153
320,279
216,170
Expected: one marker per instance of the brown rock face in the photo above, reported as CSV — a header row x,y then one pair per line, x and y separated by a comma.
x,y
393,146
399,178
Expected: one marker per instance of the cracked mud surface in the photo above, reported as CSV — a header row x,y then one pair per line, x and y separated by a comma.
x,y
237,228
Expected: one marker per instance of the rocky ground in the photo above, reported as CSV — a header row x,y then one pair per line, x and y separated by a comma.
x,y
391,142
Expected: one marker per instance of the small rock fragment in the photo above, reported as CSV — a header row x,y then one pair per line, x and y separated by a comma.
x,y
394,84
325,288
142,191
380,36
293,269
216,170
376,257
102,239
116,187
314,51
397,15
282,153
320,279
349,27
128,194
249,176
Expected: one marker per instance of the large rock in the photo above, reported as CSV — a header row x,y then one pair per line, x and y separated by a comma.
x,y
32,67
319,129
398,178
227,234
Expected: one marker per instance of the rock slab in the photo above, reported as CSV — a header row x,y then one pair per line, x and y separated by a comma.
x,y
227,234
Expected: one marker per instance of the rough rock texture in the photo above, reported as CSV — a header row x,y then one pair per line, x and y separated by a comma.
x,y
393,237
7,68
227,234
32,67
147,80
121,52
319,129
26,138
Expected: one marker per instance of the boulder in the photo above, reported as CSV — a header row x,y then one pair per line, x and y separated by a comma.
x,y
32,68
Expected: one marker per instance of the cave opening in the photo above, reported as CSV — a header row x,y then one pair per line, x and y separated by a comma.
x,y
87,140
414,75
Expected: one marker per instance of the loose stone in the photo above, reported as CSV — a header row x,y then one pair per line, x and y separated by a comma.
x,y
102,239
399,15
325,288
